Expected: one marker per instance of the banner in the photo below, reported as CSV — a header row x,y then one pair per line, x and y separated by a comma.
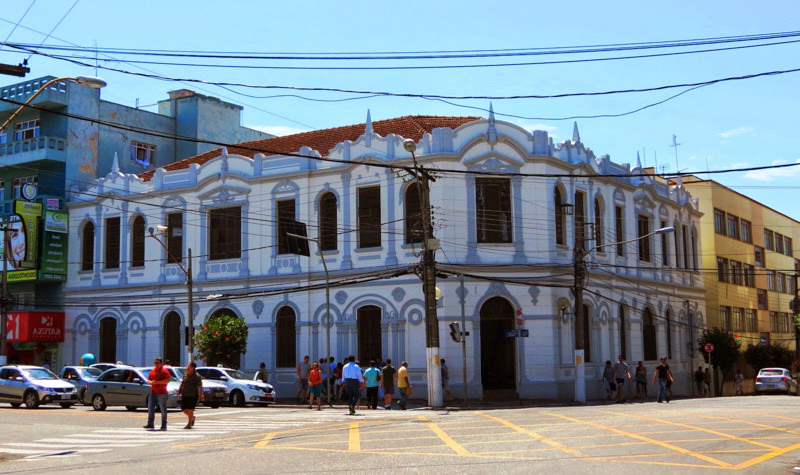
x,y
54,247
35,326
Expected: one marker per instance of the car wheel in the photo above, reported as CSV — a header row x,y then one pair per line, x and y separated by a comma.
x,y
131,408
15,404
65,405
237,399
98,402
31,400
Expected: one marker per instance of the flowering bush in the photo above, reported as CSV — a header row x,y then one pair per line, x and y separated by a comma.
x,y
221,339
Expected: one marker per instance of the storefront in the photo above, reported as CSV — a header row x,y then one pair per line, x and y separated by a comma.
x,y
34,337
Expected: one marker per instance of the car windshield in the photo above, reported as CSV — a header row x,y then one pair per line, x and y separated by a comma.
x,y
236,374
89,373
178,372
146,373
39,374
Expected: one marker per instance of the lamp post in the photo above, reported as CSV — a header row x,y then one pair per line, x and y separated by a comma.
x,y
83,80
327,307
189,284
579,271
429,245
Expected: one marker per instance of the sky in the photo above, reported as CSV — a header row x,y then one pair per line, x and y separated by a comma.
x,y
727,125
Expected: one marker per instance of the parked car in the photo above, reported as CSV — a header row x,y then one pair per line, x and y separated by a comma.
x,y
79,376
34,385
126,387
242,389
214,393
107,366
775,380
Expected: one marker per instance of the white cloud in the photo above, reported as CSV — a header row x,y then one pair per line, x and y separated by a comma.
x,y
770,174
279,130
737,131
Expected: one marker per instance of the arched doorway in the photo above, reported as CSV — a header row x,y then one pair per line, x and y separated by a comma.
x,y
172,339
369,334
497,351
108,340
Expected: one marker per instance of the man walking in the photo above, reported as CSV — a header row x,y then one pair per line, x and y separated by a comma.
x,y
388,377
698,380
445,381
403,385
303,368
373,377
351,374
157,379
621,373
664,376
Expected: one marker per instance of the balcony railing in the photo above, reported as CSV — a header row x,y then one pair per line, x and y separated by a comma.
x,y
47,147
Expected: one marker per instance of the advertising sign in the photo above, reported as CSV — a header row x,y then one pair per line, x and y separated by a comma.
x,y
35,326
19,246
54,247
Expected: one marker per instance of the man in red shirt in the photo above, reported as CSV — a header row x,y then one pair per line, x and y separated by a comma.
x,y
158,379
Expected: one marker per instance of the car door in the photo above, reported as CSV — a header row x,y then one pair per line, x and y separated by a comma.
x,y
112,386
15,385
7,393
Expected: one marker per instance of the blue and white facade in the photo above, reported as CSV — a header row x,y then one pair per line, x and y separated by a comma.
x,y
501,205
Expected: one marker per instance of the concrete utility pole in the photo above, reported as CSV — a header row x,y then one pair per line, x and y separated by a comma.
x,y
428,282
4,302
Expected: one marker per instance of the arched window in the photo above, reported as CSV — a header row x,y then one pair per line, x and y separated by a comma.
x,y
559,215
649,336
623,339
172,338
599,228
669,334
286,343
587,335
87,247
328,222
413,214
369,334
108,340
137,242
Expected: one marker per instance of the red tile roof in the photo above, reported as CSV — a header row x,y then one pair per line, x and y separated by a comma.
x,y
411,127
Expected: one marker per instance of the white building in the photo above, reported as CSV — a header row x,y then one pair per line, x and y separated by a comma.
x,y
499,212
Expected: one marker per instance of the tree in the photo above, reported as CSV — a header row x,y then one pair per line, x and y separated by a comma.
x,y
725,354
222,339
768,356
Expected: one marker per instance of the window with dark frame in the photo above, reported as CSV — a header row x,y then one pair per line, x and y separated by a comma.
x,y
143,153
759,256
137,242
769,239
722,269
493,210
286,214
28,129
747,231
328,222
749,275
225,233
643,228
664,246
414,231
111,258
649,341
779,243
623,340
174,238
669,334
761,296
619,229
368,323
369,217
733,226
719,221
286,338
579,220
87,247
560,217
771,285
598,225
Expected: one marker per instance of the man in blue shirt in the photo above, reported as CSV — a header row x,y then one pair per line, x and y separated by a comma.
x,y
352,377
373,377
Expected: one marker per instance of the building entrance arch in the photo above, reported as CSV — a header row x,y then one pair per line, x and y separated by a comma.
x,y
498,366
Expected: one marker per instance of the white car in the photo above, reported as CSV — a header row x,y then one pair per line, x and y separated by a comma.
x,y
777,380
242,389
34,385
214,393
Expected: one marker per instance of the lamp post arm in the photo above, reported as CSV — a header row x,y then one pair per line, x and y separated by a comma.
x,y
30,99
183,269
638,238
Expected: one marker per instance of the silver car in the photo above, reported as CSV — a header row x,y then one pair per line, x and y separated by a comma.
x,y
214,393
126,387
79,376
34,385
775,380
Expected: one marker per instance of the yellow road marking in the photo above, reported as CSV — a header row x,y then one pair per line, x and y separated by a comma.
x,y
648,439
767,456
533,434
457,448
265,440
757,424
354,443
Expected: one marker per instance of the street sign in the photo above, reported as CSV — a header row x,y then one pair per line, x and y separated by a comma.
x,y
708,347
519,333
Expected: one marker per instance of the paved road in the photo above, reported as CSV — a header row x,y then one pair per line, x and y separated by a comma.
x,y
744,434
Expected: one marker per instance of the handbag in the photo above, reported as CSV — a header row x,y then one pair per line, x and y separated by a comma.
x,y
408,391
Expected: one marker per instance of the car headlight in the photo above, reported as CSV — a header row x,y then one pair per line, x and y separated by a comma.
x,y
43,388
255,387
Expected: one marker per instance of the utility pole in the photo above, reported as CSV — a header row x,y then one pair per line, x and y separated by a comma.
x,y
4,303
580,339
428,282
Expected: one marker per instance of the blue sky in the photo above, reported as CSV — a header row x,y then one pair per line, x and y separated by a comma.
x,y
732,124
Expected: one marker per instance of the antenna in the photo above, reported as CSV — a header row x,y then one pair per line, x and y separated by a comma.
x,y
675,145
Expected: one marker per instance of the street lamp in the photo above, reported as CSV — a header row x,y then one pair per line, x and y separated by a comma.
x,y
429,245
579,270
83,80
327,323
189,284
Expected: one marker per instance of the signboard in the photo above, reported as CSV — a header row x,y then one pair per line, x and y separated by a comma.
x,y
708,347
19,246
519,333
35,326
54,247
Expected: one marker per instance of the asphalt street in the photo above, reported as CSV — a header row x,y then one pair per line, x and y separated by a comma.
x,y
740,434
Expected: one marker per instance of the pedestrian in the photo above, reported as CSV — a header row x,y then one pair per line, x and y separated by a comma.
x,y
315,386
664,376
445,380
379,363
388,377
351,374
403,385
608,380
641,381
698,380
303,368
262,374
739,380
338,381
191,391
621,373
372,376
707,383
157,379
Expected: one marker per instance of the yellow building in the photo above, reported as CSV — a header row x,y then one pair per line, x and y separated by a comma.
x,y
749,264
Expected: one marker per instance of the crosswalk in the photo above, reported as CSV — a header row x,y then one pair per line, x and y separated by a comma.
x,y
105,440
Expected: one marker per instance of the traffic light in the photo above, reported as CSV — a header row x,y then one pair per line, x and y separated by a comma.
x,y
455,332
